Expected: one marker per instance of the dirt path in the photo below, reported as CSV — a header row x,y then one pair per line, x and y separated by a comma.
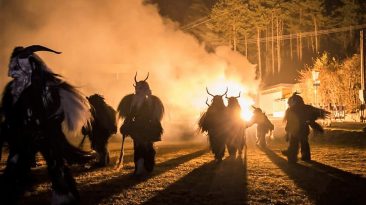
x,y
186,174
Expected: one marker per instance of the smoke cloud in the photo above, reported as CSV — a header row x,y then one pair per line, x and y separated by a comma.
x,y
105,42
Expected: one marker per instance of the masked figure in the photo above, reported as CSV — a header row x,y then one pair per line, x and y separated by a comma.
x,y
214,122
236,130
142,113
101,128
264,126
37,105
298,118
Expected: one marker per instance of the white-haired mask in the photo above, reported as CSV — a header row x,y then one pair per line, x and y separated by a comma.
x,y
21,68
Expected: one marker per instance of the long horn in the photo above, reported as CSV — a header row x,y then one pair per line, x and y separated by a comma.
x,y
147,76
254,107
34,48
227,89
238,95
136,77
207,102
209,92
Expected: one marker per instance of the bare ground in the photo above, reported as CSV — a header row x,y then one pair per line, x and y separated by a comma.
x,y
186,174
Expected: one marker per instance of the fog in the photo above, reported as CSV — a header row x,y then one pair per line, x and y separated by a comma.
x,y
104,43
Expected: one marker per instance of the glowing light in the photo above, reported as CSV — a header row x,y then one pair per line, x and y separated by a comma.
x,y
234,88
246,113
279,114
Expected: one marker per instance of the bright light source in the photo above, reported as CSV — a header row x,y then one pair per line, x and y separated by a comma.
x,y
246,115
279,114
219,88
315,75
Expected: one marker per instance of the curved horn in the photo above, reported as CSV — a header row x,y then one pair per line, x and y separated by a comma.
x,y
135,77
34,48
227,89
226,96
147,76
238,95
209,92
207,102
254,107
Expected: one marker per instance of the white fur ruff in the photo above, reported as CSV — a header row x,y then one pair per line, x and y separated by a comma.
x,y
76,109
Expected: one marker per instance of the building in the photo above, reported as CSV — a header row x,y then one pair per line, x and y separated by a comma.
x,y
273,99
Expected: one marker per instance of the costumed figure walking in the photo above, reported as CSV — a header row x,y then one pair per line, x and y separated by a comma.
x,y
142,113
37,105
298,118
214,122
102,127
236,127
264,126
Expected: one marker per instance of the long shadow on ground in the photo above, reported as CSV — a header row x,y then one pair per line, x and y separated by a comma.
x,y
324,184
40,174
95,193
211,183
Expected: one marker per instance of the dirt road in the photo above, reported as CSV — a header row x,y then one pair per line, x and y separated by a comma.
x,y
186,174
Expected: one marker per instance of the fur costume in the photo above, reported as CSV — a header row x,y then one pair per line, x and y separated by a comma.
x,y
102,127
264,126
213,121
236,136
298,118
37,105
142,113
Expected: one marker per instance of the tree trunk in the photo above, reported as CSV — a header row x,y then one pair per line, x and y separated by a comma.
x,y
246,45
300,41
278,48
300,47
267,62
267,44
310,42
316,35
273,60
291,46
259,54
234,38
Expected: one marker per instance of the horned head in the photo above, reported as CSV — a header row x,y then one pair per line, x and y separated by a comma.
x,y
227,89
256,109
217,99
233,101
295,99
233,96
22,52
19,60
207,102
142,87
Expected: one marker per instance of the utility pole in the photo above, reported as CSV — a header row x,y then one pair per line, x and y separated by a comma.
x,y
362,92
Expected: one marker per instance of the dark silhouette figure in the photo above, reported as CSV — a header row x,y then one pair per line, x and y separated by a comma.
x,y
142,113
35,104
214,122
264,126
236,127
102,127
298,118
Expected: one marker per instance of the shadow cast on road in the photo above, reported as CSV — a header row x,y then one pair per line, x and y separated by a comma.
x,y
322,183
95,193
211,183
40,174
